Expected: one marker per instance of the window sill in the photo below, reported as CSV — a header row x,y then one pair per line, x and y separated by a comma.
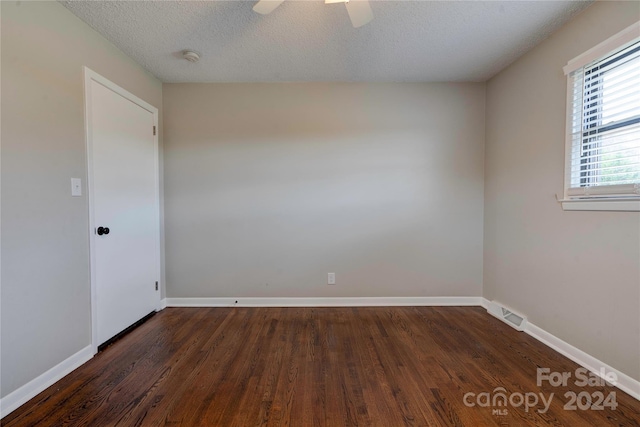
x,y
602,204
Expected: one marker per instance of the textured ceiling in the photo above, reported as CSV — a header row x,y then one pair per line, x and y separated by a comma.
x,y
408,41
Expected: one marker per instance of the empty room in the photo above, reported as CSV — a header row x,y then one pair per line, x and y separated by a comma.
x,y
320,213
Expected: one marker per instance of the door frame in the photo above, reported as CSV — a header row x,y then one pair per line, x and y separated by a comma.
x,y
89,77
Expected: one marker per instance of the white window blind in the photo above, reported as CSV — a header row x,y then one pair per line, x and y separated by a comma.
x,y
603,147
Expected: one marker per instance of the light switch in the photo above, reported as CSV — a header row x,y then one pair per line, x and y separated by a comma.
x,y
76,187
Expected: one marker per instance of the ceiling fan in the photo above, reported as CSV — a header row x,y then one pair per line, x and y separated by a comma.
x,y
359,10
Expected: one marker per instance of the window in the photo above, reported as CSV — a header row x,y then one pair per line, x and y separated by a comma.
x,y
603,125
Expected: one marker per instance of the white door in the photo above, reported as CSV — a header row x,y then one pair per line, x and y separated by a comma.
x,y
123,178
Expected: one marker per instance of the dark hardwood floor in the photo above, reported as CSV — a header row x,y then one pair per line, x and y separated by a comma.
x,y
319,367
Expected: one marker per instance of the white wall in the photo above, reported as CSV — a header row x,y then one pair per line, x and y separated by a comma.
x,y
575,274
270,186
45,264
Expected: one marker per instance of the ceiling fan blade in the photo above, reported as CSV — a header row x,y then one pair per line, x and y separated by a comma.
x,y
265,7
360,12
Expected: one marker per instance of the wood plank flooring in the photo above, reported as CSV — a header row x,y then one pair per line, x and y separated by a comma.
x,y
366,366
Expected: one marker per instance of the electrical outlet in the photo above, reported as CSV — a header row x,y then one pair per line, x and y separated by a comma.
x,y
331,278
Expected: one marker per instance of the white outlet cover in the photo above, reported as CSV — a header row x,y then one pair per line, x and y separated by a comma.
x,y
331,278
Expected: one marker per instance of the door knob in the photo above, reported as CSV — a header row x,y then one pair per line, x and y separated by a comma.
x,y
102,230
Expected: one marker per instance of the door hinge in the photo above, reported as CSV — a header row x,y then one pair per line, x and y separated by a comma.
x,y
156,286
154,131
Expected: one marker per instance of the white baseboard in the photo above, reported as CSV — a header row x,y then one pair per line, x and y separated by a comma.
x,y
163,304
324,302
624,383
15,399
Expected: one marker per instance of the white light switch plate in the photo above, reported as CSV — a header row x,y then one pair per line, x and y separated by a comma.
x,y
76,187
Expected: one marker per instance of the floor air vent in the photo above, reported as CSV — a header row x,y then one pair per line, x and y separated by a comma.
x,y
515,320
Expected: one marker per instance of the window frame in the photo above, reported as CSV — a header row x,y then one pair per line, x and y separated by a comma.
x,y
595,200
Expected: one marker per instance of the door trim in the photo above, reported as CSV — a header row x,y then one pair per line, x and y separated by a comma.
x,y
89,77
